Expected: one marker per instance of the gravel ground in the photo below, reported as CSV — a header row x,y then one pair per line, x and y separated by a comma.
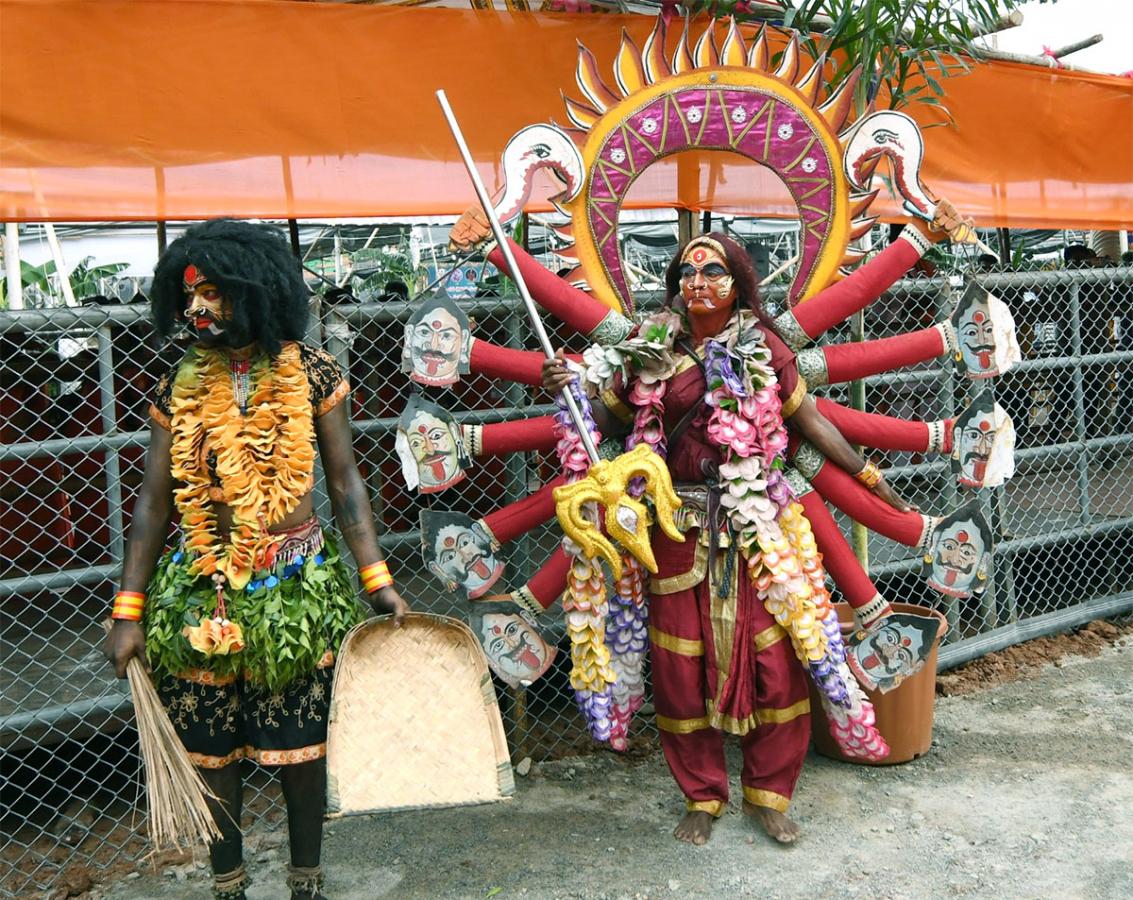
x,y
1026,793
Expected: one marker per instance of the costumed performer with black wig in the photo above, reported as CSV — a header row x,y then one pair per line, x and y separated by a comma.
x,y
241,620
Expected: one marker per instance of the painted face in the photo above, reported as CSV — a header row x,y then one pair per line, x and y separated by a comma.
x,y
895,649
983,453
959,558
463,556
706,282
889,650
435,449
977,339
435,345
515,650
977,440
207,310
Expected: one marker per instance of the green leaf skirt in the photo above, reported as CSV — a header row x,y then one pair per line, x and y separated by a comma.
x,y
290,617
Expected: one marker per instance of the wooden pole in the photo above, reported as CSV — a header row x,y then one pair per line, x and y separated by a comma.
x,y
1004,245
60,264
12,265
293,230
1012,20
1077,45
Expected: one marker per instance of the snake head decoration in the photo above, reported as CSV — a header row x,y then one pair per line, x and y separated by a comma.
x,y
627,518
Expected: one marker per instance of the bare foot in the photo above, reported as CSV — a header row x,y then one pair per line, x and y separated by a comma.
x,y
694,828
777,825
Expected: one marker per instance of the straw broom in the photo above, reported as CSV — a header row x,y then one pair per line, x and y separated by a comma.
x,y
177,812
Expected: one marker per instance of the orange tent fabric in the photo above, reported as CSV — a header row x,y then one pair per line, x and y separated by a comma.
x,y
253,108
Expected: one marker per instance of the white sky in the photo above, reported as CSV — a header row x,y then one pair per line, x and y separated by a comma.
x,y
1066,21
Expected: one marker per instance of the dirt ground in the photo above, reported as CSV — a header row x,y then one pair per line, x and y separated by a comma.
x,y
1026,793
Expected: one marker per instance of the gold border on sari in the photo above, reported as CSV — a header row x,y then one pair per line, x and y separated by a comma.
x,y
722,615
674,644
769,799
768,715
731,724
769,637
714,808
614,404
674,583
682,726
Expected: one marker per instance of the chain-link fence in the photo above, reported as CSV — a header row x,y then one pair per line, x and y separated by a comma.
x,y
75,385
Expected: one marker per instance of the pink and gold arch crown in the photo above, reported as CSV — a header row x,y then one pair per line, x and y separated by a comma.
x,y
707,96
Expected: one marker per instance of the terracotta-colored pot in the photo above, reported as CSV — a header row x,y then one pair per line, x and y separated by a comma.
x,y
904,715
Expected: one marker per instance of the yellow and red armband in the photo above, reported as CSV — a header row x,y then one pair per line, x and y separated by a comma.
x,y
375,576
128,605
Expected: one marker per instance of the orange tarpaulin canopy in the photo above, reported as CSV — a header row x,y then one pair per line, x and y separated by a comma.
x,y
252,108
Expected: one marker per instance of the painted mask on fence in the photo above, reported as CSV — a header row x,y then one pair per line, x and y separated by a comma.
x,y
985,332
959,559
460,552
429,446
983,444
208,312
706,281
438,343
516,652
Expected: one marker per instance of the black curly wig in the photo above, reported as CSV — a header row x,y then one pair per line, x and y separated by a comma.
x,y
253,267
740,268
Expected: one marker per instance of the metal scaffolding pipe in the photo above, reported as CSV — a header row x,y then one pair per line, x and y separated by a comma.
x,y
1016,545
970,648
92,443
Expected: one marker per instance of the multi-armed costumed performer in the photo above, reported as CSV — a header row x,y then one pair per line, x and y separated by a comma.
x,y
738,609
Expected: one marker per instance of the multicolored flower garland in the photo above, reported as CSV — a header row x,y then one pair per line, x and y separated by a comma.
x,y
585,603
627,634
773,534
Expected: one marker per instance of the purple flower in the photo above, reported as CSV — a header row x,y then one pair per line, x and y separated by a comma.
x,y
597,709
778,489
570,448
722,367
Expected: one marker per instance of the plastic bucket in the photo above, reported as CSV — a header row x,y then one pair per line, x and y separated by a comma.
x,y
904,714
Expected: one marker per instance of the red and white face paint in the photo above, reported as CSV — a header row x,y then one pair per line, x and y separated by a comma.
x,y
959,559
205,307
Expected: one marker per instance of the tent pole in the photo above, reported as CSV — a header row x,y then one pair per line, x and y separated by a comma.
x,y
60,267
12,265
293,230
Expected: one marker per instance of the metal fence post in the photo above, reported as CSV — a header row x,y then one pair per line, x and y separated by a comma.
x,y
1081,456
109,416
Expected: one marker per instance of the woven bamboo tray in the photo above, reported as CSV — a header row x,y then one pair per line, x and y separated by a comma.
x,y
413,720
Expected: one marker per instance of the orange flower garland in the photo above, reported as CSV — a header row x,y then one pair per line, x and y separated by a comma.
x,y
264,459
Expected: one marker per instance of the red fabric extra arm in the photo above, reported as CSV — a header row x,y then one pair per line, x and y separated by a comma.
x,y
519,436
846,362
562,300
549,583
855,292
521,366
837,556
873,430
861,505
509,522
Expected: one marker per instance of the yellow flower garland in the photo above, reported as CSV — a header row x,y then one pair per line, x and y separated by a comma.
x,y
264,459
